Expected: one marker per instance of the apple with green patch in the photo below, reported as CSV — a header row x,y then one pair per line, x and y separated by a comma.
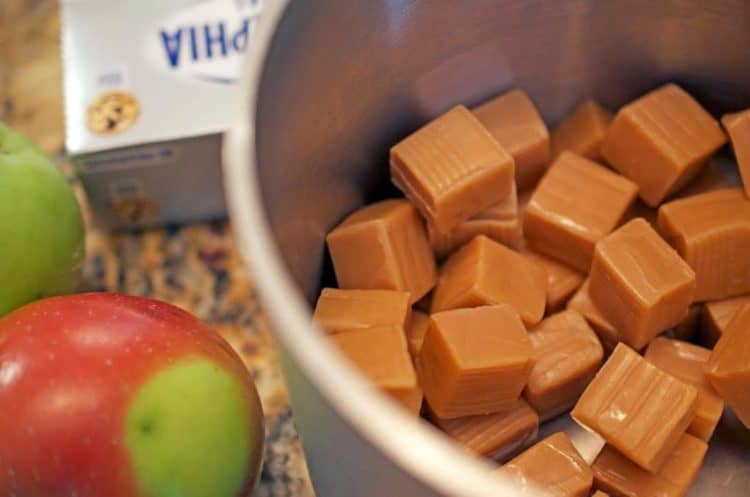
x,y
41,228
120,396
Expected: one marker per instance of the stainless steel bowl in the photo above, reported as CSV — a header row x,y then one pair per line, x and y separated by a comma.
x,y
331,84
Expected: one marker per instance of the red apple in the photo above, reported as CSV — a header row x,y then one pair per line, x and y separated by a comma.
x,y
118,396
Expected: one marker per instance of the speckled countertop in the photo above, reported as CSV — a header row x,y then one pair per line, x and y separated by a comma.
x,y
196,267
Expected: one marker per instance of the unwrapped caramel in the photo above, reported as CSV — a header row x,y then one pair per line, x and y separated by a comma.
x,y
552,465
484,272
607,333
685,362
711,232
512,119
342,310
660,141
567,354
500,222
577,203
496,436
717,315
738,127
582,131
452,169
474,361
637,408
562,280
639,283
416,331
381,354
383,246
728,368
617,475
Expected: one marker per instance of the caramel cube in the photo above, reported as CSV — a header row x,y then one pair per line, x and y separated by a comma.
x,y
567,355
500,223
617,475
582,131
452,169
660,141
474,361
416,331
380,353
637,408
738,127
711,232
553,465
562,280
728,368
639,283
343,310
685,362
497,435
577,203
512,119
605,331
383,246
599,493
717,315
483,272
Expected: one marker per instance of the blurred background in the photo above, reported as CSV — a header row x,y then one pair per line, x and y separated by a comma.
x,y
196,266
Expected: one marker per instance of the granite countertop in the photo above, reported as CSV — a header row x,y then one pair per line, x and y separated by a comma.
x,y
196,267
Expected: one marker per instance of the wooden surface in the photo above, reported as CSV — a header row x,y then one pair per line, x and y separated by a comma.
x,y
196,267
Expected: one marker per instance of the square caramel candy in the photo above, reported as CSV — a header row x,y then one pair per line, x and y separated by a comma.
x,y
562,280
380,353
605,331
639,283
582,131
567,355
452,169
577,203
660,141
711,232
383,246
474,361
415,332
685,362
717,315
599,493
513,120
637,408
738,127
342,310
728,368
483,272
496,435
552,465
617,475
500,223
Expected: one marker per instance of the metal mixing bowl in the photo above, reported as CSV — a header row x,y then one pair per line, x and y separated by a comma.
x,y
331,84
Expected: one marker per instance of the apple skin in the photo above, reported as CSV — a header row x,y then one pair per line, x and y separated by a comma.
x,y
41,228
119,396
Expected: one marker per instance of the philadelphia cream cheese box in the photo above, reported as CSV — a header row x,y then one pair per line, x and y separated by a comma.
x,y
149,88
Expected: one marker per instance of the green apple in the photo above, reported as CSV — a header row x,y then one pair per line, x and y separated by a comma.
x,y
41,227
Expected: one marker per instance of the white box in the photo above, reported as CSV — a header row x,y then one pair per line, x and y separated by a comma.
x,y
149,88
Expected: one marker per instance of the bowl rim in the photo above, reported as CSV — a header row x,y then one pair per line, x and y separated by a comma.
x,y
422,453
